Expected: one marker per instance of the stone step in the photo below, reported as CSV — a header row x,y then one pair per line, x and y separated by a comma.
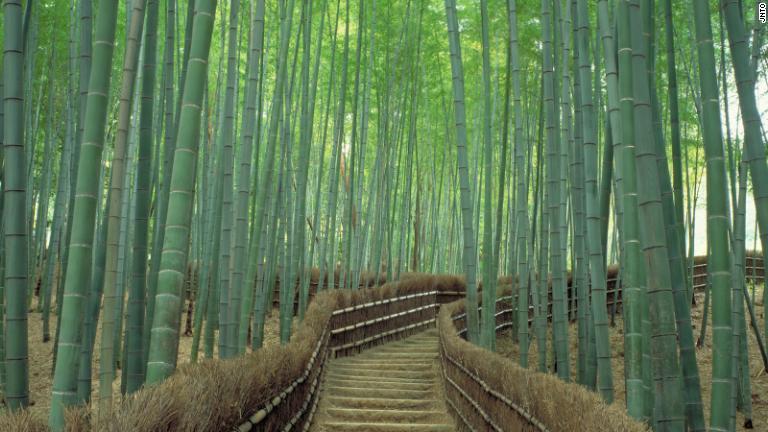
x,y
415,349
381,403
416,341
387,416
374,384
377,378
400,355
365,371
376,392
389,388
385,427
385,365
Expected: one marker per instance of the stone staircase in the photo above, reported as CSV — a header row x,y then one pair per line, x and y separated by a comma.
x,y
391,388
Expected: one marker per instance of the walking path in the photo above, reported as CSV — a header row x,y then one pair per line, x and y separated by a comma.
x,y
392,388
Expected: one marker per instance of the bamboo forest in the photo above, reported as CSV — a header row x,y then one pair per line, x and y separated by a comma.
x,y
383,215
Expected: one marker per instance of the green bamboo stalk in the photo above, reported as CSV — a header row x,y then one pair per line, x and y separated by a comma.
x,y
123,258
107,351
163,199
488,325
590,351
41,220
323,247
31,112
287,279
561,153
521,147
135,367
85,18
263,304
587,348
668,412
690,370
80,246
542,292
360,240
303,298
606,181
594,241
351,228
719,259
258,248
204,295
632,271
93,297
213,278
330,248
165,324
3,376
308,112
206,181
16,277
577,190
240,268
203,311
559,317
227,304
674,122
60,206
470,254
284,235
742,393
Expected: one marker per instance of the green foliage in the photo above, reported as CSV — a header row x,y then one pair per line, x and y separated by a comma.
x,y
374,137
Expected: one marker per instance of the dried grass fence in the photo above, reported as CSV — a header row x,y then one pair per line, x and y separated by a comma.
x,y
488,392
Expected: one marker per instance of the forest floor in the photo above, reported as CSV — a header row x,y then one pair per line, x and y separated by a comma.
x,y
41,360
759,377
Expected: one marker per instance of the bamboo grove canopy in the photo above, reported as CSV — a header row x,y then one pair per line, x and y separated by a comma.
x,y
174,168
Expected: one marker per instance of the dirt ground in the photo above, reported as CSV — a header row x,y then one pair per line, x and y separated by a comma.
x,y
759,377
41,360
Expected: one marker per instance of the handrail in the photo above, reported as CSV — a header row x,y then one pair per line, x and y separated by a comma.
x,y
259,415
506,401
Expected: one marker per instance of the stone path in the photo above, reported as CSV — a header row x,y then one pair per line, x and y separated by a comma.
x,y
392,388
